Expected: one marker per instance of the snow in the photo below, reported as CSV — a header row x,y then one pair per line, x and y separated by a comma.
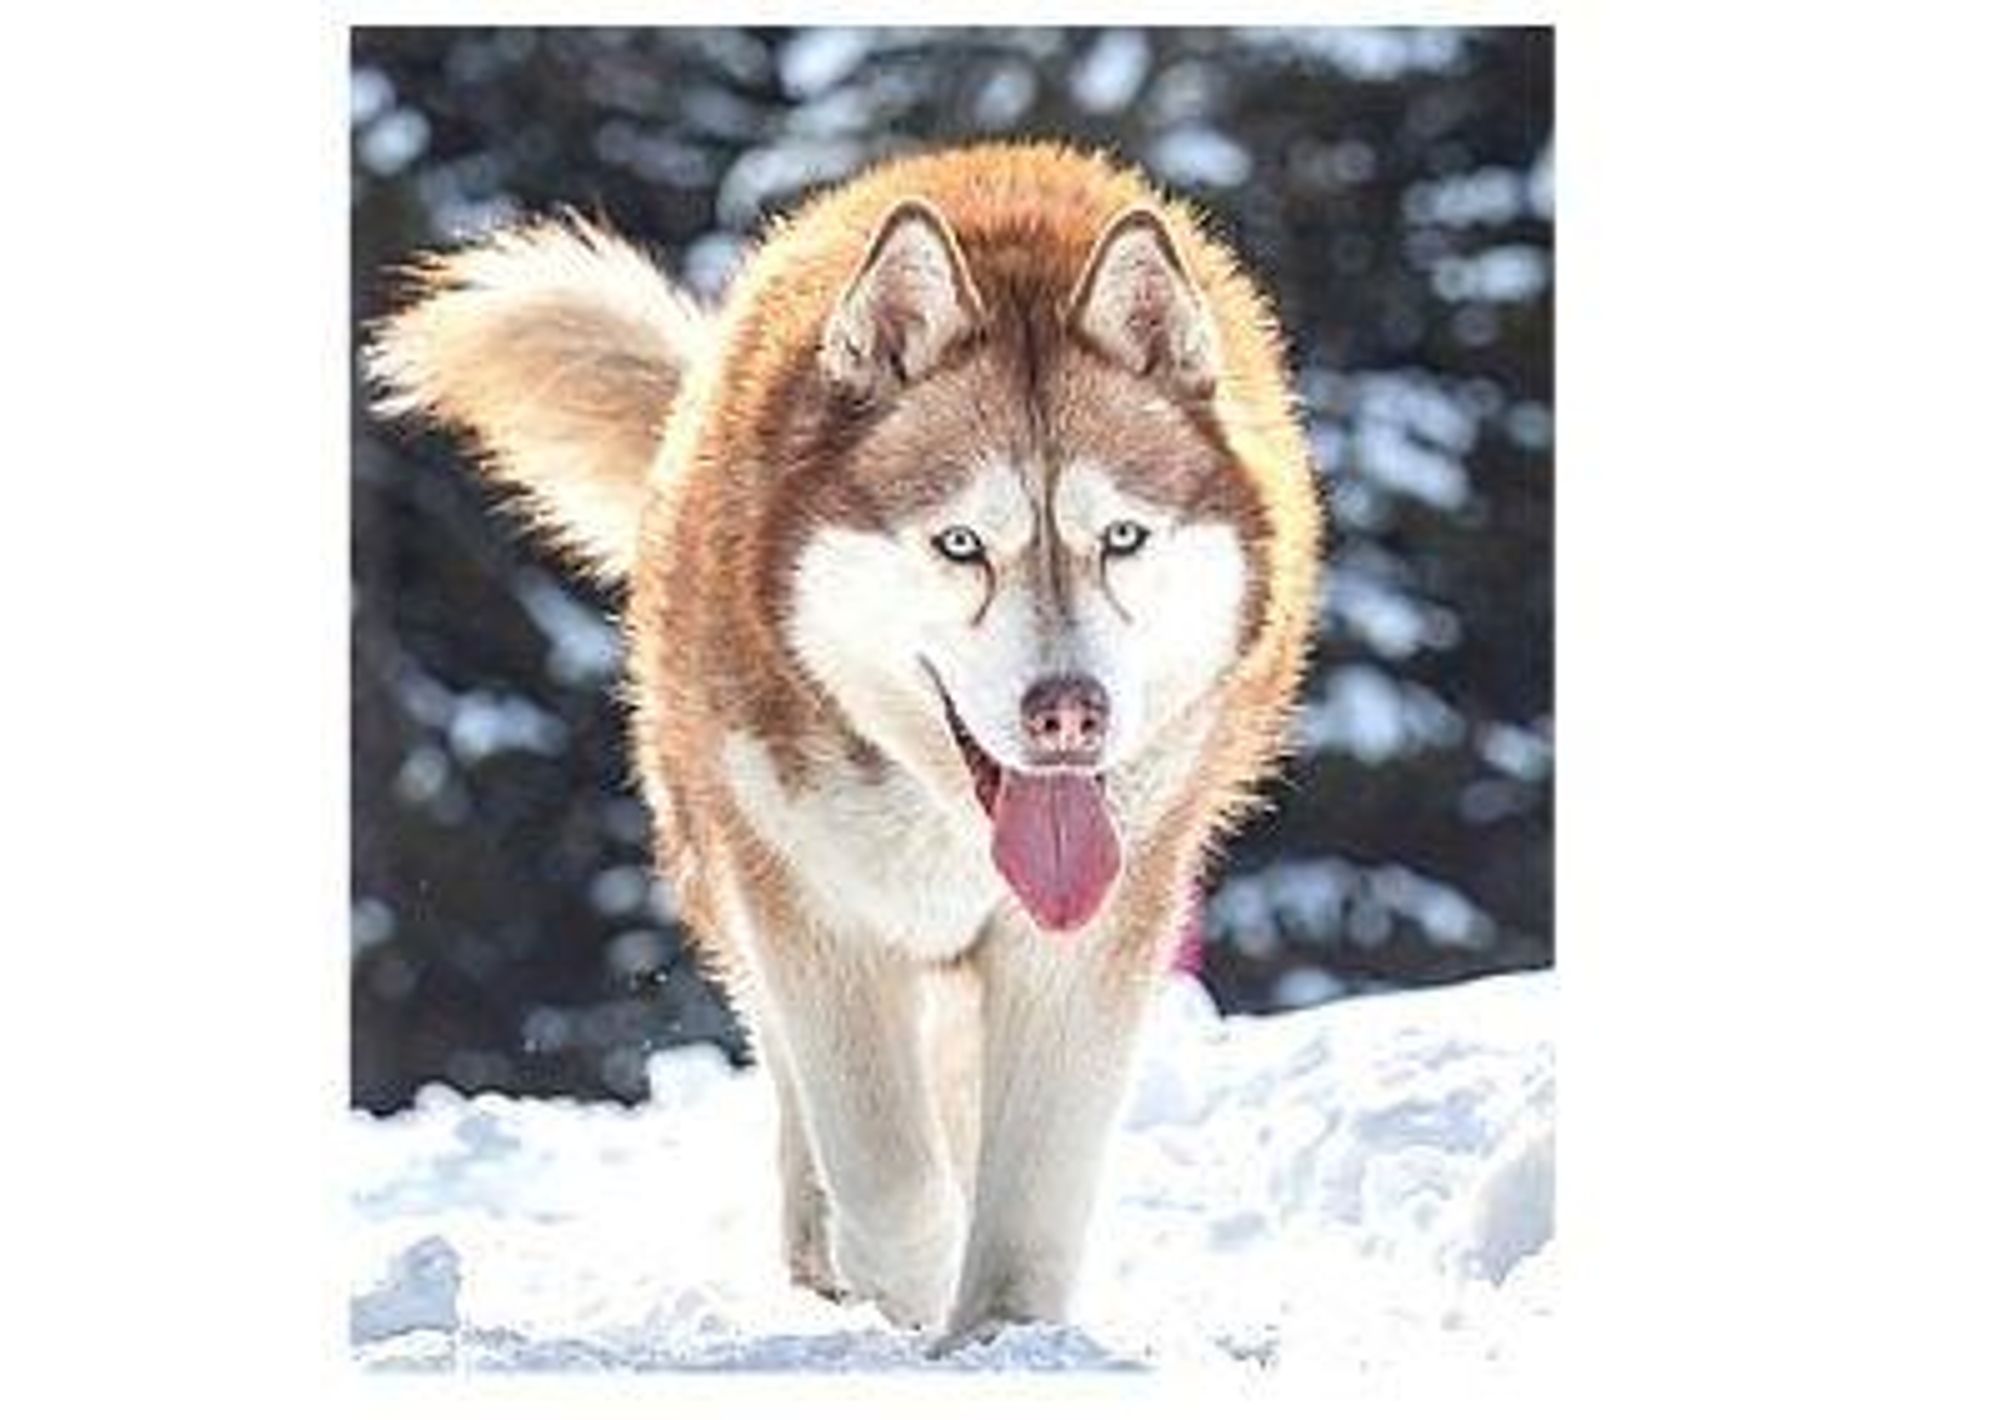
x,y
768,176
1359,1190
584,646
1004,97
817,59
1367,52
1375,717
1501,273
1492,196
394,141
1108,76
1196,155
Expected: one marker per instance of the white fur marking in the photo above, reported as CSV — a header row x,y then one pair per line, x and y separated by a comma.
x,y
874,858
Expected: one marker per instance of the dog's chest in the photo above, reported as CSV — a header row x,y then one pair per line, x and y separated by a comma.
x,y
872,855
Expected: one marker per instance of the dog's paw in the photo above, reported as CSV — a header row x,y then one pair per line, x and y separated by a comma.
x,y
808,1261
963,1336
908,1275
911,1309
978,1324
815,1275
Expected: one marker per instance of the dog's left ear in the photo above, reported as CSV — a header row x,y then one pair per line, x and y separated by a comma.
x,y
912,300
1137,306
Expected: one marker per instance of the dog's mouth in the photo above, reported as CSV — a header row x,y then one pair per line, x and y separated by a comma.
x,y
985,770
1054,841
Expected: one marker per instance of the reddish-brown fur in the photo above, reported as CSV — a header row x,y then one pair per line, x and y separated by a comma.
x,y
774,452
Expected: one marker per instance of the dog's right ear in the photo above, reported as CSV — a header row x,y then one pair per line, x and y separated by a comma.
x,y
911,301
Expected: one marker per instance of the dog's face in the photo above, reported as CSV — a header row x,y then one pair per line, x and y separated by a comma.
x,y
1048,561
1076,578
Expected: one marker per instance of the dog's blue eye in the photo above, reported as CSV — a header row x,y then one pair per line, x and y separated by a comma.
x,y
959,544
1124,537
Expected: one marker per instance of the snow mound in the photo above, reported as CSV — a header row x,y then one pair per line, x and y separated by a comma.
x,y
1351,1190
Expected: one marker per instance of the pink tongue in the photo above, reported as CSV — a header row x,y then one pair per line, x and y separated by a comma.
x,y
1054,843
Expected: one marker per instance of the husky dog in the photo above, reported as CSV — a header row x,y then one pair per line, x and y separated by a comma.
x,y
970,555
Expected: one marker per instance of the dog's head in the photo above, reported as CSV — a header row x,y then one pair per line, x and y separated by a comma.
x,y
1042,553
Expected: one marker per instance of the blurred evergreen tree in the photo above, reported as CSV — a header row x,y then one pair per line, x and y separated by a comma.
x,y
1391,188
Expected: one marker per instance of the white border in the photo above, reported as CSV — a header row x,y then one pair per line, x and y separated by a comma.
x,y
1774,362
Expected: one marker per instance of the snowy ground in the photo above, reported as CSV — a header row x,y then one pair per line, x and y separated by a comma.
x,y
1364,1188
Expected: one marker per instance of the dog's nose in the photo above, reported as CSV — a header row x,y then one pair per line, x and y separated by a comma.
x,y
1064,719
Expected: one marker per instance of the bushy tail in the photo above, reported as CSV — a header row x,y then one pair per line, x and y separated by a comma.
x,y
557,349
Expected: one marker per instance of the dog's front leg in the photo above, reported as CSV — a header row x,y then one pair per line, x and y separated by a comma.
x,y
848,1021
806,1249
1060,1022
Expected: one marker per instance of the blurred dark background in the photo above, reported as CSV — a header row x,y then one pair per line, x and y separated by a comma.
x,y
1393,190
